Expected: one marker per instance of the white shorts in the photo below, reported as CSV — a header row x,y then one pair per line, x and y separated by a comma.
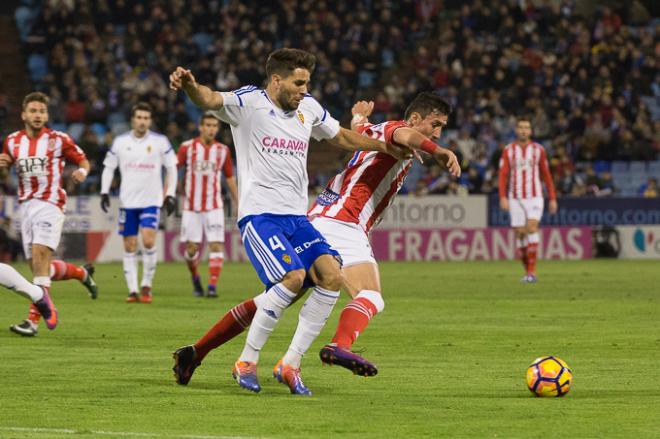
x,y
522,210
41,223
348,239
210,224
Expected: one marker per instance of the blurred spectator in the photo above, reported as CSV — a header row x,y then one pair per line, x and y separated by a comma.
x,y
589,81
650,188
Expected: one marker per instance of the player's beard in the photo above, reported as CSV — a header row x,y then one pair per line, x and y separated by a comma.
x,y
286,102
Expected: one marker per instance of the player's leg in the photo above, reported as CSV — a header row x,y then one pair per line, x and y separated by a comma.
x,y
191,234
41,230
214,229
128,229
149,218
12,279
216,262
518,216
534,209
362,282
61,270
265,238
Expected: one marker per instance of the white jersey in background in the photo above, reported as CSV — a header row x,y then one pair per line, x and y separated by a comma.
x,y
140,162
271,149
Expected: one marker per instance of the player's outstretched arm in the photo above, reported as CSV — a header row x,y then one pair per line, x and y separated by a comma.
x,y
201,95
352,141
233,190
415,140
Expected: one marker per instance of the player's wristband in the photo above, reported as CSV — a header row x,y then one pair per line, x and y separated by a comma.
x,y
84,171
428,146
357,119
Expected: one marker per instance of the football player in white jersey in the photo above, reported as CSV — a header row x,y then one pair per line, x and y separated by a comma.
x,y
140,155
272,128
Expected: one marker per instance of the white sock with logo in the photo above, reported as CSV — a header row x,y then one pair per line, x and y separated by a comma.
x,y
272,304
131,271
149,261
311,320
13,280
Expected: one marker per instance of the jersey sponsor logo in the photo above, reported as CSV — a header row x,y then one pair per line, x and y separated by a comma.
x,y
141,166
32,166
149,148
51,144
281,146
205,166
327,197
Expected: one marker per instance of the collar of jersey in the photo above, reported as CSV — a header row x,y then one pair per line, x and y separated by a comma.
x,y
139,139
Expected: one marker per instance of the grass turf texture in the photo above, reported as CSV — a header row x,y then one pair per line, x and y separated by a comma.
x,y
452,346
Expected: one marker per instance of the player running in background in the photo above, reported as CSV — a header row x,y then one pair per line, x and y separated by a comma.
x,y
205,160
272,128
38,154
140,155
352,203
522,166
12,279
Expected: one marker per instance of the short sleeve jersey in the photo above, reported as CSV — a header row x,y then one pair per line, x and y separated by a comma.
x,y
271,149
140,161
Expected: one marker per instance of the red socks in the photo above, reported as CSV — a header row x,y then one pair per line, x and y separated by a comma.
x,y
233,323
532,250
64,271
216,260
353,321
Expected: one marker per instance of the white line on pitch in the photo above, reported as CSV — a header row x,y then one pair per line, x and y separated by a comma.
x,y
119,433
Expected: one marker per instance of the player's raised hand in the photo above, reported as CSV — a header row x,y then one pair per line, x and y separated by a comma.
x,y
180,78
448,159
363,108
5,160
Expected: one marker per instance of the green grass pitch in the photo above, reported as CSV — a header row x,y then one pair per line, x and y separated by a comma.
x,y
452,347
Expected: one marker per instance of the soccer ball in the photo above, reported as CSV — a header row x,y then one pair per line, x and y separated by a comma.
x,y
549,376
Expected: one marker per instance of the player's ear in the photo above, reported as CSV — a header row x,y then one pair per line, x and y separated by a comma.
x,y
415,118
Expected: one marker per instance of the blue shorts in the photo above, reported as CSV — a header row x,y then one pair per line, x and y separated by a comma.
x,y
277,244
131,219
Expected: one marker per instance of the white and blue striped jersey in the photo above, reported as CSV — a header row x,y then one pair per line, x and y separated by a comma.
x,y
271,149
140,162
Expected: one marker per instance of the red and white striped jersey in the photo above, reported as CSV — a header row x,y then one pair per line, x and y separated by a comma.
x,y
39,163
363,190
521,171
205,166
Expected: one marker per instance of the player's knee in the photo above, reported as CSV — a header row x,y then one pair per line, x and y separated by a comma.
x,y
294,279
191,248
216,247
331,280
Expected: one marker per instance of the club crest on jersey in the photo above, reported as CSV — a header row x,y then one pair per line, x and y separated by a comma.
x,y
149,148
301,117
51,144
286,258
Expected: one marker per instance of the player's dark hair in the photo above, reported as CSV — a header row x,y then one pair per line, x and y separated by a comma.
x,y
284,61
141,106
35,96
208,115
426,103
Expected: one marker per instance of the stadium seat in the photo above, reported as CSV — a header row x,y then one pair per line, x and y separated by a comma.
x,y
619,167
637,168
601,166
38,66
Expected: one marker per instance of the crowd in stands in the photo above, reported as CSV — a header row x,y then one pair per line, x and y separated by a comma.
x,y
589,79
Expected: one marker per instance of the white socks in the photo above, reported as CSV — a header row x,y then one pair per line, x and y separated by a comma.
x,y
272,304
149,261
533,238
312,318
131,271
13,280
